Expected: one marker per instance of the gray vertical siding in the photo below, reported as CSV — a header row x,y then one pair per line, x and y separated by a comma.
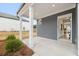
x,y
48,28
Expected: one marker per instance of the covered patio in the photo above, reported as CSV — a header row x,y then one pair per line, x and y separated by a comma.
x,y
49,47
41,44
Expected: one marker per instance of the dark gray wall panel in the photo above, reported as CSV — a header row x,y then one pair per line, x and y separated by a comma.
x,y
48,28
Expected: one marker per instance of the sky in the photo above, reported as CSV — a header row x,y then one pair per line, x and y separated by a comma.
x,y
10,24
10,8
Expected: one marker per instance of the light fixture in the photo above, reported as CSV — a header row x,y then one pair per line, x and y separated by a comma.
x,y
53,5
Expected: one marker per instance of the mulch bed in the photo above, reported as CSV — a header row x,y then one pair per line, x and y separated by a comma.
x,y
24,51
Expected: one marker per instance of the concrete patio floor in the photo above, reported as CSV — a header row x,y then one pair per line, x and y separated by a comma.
x,y
50,47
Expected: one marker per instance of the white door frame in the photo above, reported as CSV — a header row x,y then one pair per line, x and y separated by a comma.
x,y
69,14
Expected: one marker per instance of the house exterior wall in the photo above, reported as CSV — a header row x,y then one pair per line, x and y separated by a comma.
x,y
8,24
48,28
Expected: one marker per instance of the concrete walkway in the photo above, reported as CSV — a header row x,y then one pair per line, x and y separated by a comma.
x,y
49,47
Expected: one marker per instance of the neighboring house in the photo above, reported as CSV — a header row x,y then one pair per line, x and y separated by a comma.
x,y
47,17
8,22
11,23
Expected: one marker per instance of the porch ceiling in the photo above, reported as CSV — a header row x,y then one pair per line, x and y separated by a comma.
x,y
45,9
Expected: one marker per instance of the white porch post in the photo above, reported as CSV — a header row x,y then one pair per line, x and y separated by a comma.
x,y
20,32
31,26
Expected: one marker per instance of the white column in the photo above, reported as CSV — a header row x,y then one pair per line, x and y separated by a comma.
x,y
31,27
20,32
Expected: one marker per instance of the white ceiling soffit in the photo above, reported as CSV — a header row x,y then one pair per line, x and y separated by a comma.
x,y
42,10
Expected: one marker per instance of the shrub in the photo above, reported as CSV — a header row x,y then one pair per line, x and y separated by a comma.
x,y
13,44
10,37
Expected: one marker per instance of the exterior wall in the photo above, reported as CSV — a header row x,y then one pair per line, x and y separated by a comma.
x,y
8,24
74,26
48,28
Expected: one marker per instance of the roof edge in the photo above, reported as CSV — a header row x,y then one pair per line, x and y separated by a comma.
x,y
20,8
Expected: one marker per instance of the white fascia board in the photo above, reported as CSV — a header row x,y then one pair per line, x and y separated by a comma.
x,y
25,8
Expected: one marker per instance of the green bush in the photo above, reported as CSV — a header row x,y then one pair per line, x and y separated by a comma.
x,y
13,44
10,37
